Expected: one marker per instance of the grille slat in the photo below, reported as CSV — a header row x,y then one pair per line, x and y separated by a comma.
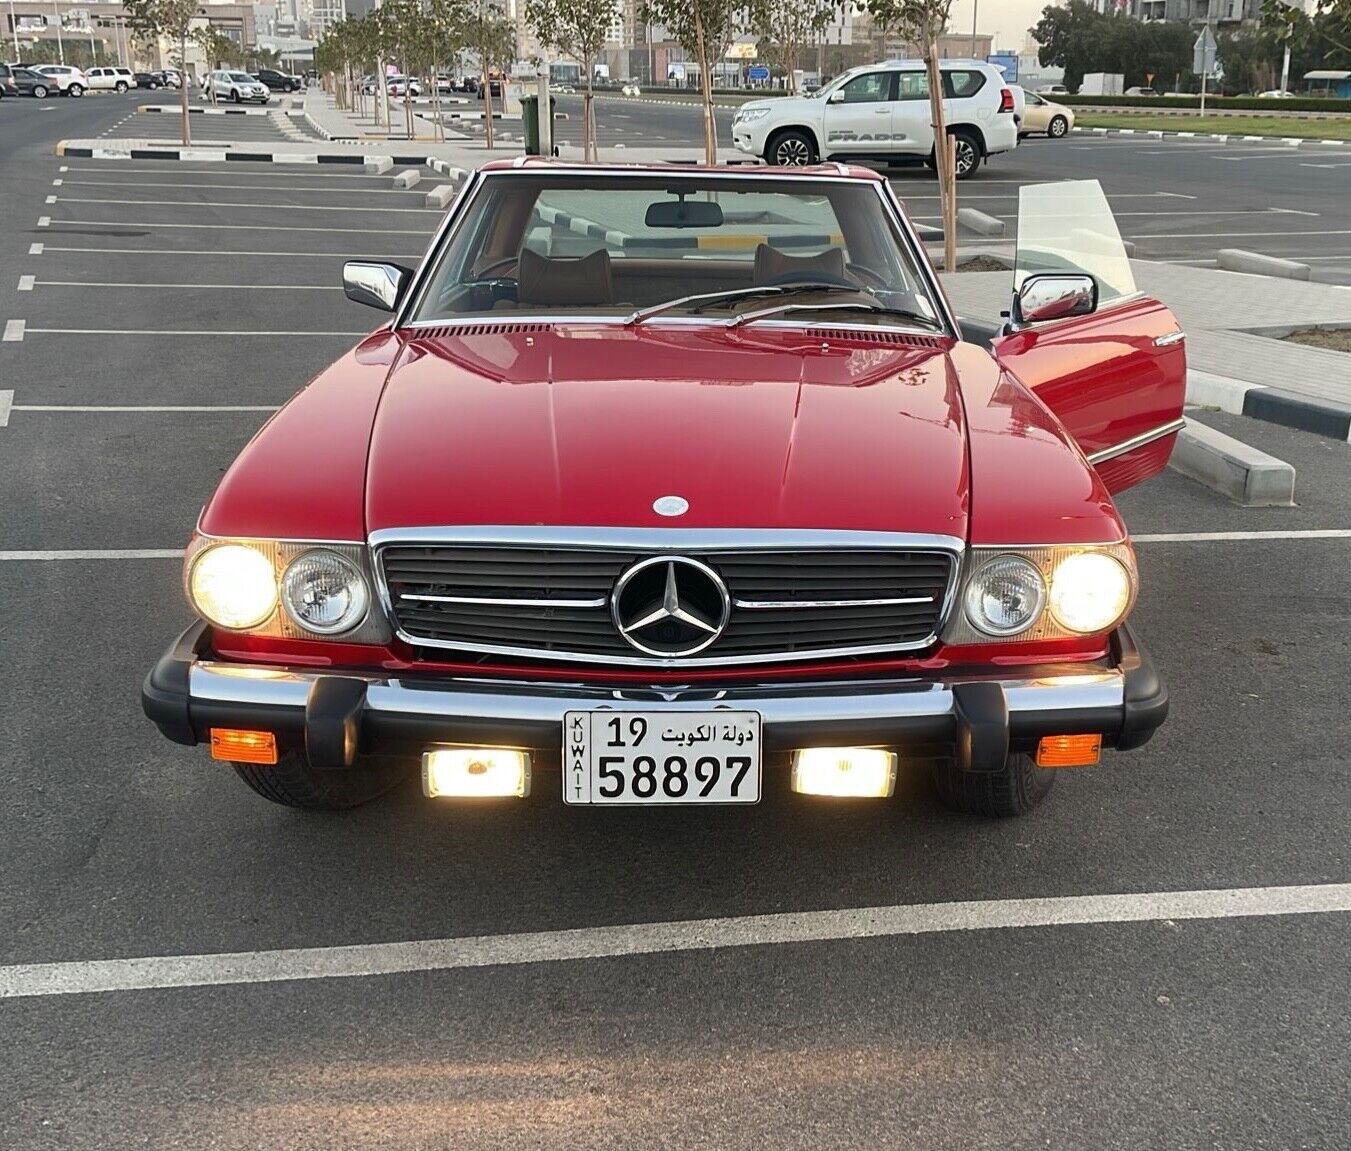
x,y
778,575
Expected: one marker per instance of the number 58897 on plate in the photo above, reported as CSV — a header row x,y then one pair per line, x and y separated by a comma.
x,y
652,757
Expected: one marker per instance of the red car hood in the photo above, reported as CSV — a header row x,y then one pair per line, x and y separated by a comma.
x,y
579,425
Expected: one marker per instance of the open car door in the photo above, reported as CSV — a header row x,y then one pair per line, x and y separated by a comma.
x,y
1110,363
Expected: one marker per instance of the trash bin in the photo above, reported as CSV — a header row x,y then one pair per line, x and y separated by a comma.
x,y
530,123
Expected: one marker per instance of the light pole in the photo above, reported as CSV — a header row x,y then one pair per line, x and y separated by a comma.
x,y
14,27
975,9
60,47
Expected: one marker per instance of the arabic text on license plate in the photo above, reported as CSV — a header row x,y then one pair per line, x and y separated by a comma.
x,y
642,757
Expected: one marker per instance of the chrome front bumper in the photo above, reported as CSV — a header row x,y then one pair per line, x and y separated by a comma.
x,y
975,716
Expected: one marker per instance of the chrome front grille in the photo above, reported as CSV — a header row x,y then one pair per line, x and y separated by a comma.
x,y
553,601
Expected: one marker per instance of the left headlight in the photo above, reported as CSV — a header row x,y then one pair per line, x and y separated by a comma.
x,y
749,115
233,586
1089,592
324,593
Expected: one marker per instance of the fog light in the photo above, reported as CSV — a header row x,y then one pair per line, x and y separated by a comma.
x,y
1069,750
475,771
243,746
855,771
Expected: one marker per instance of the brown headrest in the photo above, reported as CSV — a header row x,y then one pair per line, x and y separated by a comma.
x,y
583,280
770,263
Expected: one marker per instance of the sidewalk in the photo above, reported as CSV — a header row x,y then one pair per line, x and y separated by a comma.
x,y
1231,363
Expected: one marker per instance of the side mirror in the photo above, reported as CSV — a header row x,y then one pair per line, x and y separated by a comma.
x,y
375,285
836,97
1054,296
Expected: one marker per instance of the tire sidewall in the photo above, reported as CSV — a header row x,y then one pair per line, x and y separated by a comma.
x,y
39,92
75,90
1058,127
791,149
966,145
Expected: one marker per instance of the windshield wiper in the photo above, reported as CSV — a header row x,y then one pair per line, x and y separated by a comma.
x,y
854,306
637,317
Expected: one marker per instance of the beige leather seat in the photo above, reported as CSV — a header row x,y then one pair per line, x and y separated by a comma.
x,y
770,264
583,281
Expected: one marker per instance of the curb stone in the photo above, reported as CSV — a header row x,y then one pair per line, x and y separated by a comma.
x,y
1245,474
1262,402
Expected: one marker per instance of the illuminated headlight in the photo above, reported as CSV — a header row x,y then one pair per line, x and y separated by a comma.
x,y
1090,592
749,115
1005,596
233,586
324,593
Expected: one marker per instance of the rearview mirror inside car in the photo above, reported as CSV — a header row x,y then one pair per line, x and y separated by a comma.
x,y
1053,296
684,214
375,285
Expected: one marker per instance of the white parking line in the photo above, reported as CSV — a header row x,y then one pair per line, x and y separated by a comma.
x,y
251,204
139,407
1210,537
625,940
14,330
1227,235
95,554
172,332
251,187
141,285
6,404
26,283
214,172
155,225
209,252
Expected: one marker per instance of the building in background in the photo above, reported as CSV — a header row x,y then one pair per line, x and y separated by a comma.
x,y
1220,12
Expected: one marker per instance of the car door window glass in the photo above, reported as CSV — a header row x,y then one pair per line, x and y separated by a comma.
x,y
870,88
1068,227
912,86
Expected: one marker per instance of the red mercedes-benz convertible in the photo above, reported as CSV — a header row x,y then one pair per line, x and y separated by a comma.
x,y
674,485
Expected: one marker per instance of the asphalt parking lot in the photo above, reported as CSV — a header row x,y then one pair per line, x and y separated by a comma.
x,y
168,309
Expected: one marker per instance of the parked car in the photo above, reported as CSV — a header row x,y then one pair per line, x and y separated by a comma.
x,y
64,79
849,532
235,87
1041,117
403,86
1275,94
1140,90
882,112
28,82
1054,90
172,77
630,88
7,85
278,81
111,79
151,80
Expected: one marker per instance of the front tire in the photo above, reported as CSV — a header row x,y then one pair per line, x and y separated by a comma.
x,y
39,92
791,149
121,87
75,90
292,782
234,95
1014,790
1057,127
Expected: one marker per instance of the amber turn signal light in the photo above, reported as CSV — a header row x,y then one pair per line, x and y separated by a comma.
x,y
1069,750
243,746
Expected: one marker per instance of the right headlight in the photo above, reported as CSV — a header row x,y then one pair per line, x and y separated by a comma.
x,y
1089,592
323,592
749,115
1005,596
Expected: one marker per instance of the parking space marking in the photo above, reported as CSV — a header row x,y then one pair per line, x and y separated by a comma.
x,y
152,225
14,330
6,403
95,554
211,252
1215,537
249,186
213,171
139,408
57,182
26,283
171,332
141,285
35,249
44,221
83,977
239,204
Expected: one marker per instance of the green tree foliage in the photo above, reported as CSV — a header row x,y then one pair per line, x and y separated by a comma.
x,y
1081,40
786,25
491,37
575,28
1320,39
172,20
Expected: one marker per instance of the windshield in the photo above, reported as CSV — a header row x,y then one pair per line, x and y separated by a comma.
x,y
1068,227
241,78
578,244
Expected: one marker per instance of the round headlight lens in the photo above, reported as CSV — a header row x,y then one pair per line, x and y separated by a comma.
x,y
1005,596
234,586
324,593
1089,592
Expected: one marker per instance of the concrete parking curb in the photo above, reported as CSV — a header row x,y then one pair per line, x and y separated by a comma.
x,y
1273,405
115,150
1222,137
1245,474
174,110
1257,264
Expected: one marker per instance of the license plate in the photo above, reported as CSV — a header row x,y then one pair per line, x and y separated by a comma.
x,y
650,757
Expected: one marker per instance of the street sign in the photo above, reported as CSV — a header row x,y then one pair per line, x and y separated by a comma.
x,y
1203,52
757,72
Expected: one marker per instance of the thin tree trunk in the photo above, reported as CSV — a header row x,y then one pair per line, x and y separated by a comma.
x,y
706,81
487,108
183,90
588,119
943,159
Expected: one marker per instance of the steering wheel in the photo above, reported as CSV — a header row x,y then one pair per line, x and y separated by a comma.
x,y
482,275
788,279
868,275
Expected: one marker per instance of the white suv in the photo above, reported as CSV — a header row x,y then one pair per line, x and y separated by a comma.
x,y
65,79
882,112
111,79
235,87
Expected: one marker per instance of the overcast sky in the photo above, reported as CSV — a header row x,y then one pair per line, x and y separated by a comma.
x,y
1006,20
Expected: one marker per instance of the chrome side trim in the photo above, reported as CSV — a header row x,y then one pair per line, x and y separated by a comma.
x,y
788,604
797,705
490,601
664,541
1101,457
1168,339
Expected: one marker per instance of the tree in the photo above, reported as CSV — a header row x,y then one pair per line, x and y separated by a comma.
x,y
171,19
575,28
789,24
491,37
704,28
217,49
1080,39
1318,40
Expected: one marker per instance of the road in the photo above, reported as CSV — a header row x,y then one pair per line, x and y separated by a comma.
x,y
1178,200
163,320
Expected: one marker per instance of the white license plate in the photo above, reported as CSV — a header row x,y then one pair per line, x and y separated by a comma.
x,y
649,757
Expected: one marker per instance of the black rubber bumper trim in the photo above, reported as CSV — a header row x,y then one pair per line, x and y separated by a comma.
x,y
1146,697
164,695
333,721
982,715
